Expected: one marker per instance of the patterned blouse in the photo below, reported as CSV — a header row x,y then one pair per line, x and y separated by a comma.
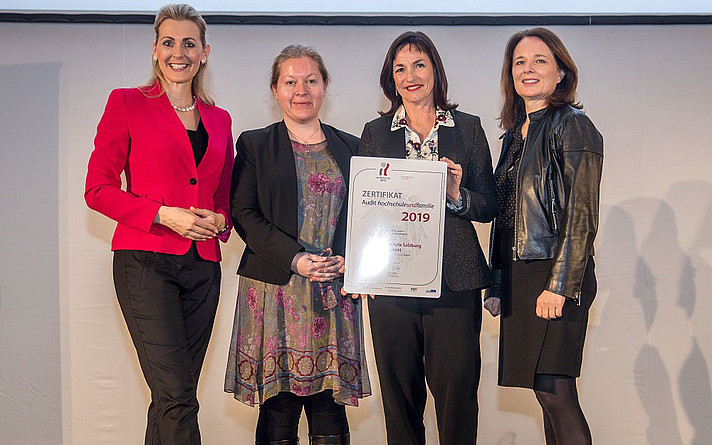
x,y
428,149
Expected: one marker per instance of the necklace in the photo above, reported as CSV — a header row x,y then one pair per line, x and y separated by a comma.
x,y
188,108
304,141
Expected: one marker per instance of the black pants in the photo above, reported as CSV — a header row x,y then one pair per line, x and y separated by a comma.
x,y
279,416
169,304
415,339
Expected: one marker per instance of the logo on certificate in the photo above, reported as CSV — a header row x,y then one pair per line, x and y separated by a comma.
x,y
383,171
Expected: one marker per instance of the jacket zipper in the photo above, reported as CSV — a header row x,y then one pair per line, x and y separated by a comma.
x,y
554,217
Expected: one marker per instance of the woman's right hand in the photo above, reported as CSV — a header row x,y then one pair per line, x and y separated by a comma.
x,y
185,223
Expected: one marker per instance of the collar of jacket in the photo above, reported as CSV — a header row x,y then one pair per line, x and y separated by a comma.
x,y
283,158
538,114
533,116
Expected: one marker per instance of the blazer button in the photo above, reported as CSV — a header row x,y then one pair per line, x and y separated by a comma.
x,y
193,181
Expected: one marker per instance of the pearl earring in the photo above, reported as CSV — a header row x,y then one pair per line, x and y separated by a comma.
x,y
155,59
203,62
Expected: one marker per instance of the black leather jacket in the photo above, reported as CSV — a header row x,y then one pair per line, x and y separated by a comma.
x,y
557,200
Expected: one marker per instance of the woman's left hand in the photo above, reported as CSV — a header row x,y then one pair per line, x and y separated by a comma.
x,y
493,306
549,305
454,178
216,219
331,270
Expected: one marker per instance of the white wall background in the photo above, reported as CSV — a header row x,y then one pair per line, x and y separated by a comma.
x,y
68,371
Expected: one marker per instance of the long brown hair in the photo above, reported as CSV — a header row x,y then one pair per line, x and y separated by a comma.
x,y
565,92
423,43
182,12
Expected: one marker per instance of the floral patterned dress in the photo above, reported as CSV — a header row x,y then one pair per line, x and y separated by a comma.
x,y
301,337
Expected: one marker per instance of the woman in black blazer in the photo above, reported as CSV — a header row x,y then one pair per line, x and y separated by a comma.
x,y
297,342
417,339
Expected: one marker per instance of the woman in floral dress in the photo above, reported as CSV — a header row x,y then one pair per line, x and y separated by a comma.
x,y
296,342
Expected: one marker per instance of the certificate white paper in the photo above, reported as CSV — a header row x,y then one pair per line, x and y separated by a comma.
x,y
396,223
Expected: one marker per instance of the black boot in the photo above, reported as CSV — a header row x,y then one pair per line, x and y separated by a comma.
x,y
335,439
280,442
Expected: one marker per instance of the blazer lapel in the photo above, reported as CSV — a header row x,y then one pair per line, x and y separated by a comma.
x,y
173,122
395,143
339,150
206,117
284,175
447,143
342,153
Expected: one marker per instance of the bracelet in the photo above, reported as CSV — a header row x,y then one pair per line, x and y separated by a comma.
x,y
224,229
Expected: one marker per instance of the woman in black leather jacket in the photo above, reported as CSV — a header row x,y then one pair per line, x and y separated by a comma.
x,y
548,180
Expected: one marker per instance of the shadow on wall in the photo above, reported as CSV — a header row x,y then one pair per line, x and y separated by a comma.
x,y
696,395
655,392
664,276
695,287
617,327
659,261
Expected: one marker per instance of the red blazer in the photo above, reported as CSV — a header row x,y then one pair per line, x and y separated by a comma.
x,y
144,138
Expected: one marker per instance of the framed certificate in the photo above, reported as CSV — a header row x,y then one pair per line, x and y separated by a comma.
x,y
396,224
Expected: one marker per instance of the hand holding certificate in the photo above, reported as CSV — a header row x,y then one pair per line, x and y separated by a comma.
x,y
396,223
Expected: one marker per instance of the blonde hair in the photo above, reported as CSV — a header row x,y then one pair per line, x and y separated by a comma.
x,y
182,12
294,52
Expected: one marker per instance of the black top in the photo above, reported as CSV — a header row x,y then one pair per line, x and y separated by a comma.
x,y
199,142
506,180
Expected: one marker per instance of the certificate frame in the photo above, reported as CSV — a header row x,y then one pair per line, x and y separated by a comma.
x,y
395,227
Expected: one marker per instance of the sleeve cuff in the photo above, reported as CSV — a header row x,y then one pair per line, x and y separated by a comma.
x,y
455,206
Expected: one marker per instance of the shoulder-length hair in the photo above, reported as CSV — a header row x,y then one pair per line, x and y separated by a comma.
x,y
423,44
182,12
565,92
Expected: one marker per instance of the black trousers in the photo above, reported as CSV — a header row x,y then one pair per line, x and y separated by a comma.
x,y
169,304
419,339
279,416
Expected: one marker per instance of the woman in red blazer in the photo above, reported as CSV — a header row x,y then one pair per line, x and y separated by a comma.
x,y
175,149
